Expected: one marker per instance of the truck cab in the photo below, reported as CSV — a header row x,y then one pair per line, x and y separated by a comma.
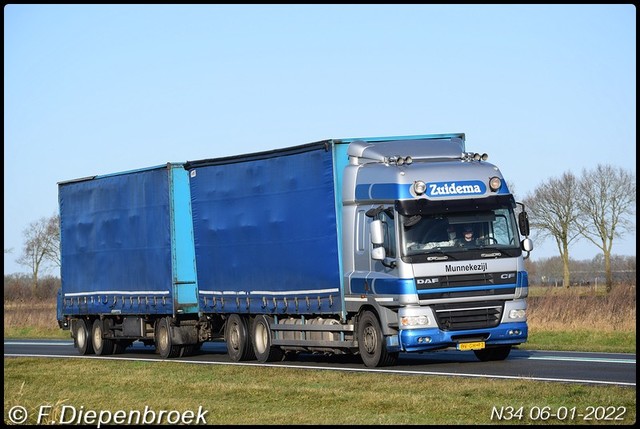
x,y
407,203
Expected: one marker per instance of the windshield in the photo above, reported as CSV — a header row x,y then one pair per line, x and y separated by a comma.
x,y
492,231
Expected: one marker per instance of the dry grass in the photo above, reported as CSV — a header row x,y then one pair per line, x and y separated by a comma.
x,y
32,320
41,315
560,309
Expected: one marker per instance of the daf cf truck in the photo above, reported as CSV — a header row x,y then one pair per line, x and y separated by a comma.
x,y
342,246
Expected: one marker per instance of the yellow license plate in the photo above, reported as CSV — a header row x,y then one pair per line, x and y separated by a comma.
x,y
479,345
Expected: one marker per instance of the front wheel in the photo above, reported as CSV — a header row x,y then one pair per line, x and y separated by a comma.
x,y
493,353
371,344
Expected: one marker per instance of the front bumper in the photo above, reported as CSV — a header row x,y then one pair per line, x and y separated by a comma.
x,y
417,340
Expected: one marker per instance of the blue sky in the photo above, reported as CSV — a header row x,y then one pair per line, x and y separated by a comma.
x,y
97,89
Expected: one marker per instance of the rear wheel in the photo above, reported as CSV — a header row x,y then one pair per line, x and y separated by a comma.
x,y
371,344
238,340
102,346
120,346
290,355
493,353
190,349
83,338
261,340
164,343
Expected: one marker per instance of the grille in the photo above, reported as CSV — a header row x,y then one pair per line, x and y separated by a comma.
x,y
495,284
474,315
452,281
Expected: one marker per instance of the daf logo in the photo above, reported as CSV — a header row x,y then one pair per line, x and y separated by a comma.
x,y
507,276
427,281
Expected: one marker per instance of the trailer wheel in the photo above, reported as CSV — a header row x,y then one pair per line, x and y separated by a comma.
x,y
164,343
83,338
238,340
493,353
371,345
261,339
102,346
190,349
120,346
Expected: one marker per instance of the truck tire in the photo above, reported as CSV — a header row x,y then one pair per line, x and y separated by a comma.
x,y
120,346
102,346
236,335
371,344
190,349
164,342
83,338
261,340
493,353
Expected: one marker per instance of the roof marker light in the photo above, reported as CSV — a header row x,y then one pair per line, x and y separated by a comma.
x,y
419,187
495,183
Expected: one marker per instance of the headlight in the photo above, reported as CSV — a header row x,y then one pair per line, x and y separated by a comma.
x,y
407,321
517,314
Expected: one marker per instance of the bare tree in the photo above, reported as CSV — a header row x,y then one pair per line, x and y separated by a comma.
x,y
53,232
42,243
512,189
553,212
607,201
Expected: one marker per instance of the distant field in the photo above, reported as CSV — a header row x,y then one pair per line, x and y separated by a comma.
x,y
582,319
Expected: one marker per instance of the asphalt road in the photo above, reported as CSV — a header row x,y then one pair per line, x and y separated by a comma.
x,y
554,366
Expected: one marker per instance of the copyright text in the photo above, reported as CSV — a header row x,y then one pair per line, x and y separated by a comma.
x,y
69,414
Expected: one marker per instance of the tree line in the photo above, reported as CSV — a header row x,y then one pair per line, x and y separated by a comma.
x,y
599,206
587,272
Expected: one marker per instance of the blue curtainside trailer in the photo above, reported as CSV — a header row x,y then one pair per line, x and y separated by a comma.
x,y
268,233
127,256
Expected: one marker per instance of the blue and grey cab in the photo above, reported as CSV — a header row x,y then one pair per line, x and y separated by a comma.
x,y
433,245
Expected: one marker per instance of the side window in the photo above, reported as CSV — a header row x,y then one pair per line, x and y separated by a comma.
x,y
360,235
389,234
501,230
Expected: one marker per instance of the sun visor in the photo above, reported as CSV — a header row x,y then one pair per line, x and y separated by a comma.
x,y
425,206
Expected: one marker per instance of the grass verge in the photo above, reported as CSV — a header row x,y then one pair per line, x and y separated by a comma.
x,y
69,390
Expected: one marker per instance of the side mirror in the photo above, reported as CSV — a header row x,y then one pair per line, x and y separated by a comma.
x,y
523,223
526,245
377,239
377,233
378,254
